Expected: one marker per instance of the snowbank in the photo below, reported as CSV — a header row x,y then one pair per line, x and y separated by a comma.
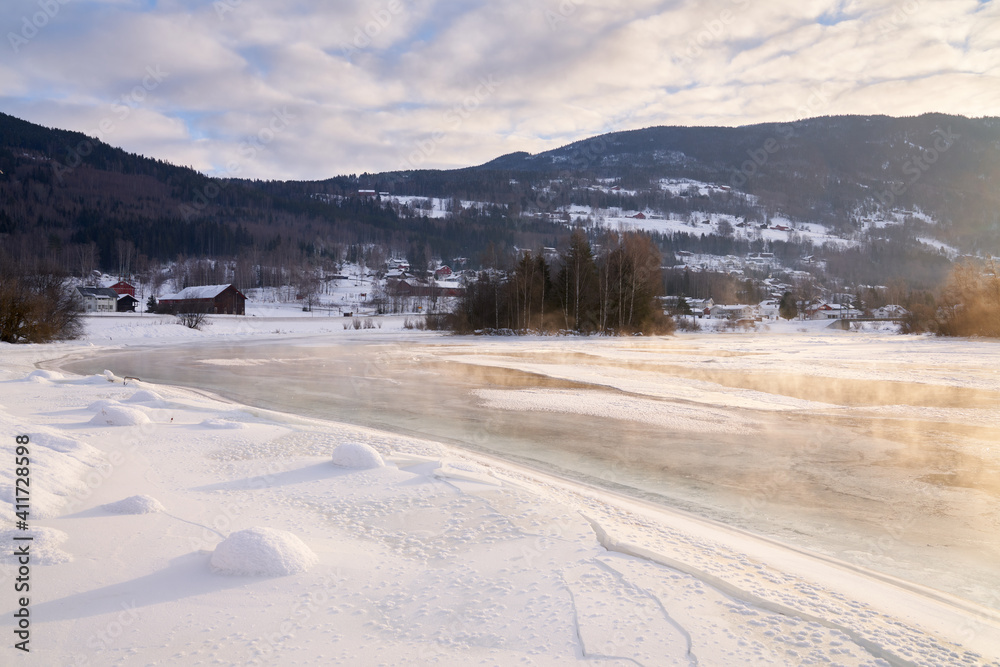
x,y
262,551
448,557
45,545
140,504
58,465
43,376
119,415
357,455
148,397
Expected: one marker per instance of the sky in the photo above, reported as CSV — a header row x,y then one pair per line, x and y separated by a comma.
x,y
309,89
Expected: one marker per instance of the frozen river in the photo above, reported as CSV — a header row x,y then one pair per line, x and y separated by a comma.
x,y
883,452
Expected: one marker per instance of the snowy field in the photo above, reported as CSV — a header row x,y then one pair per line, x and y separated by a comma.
x,y
172,527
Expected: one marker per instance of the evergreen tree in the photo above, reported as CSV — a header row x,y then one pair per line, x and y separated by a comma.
x,y
786,307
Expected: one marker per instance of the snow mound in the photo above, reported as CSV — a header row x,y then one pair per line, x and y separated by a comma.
x,y
44,545
119,416
135,505
110,376
222,423
43,376
62,463
65,445
145,396
97,406
262,551
357,455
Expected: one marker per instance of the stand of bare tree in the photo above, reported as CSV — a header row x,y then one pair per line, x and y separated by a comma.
x,y
36,304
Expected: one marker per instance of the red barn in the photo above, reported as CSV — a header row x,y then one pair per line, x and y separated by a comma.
x,y
121,287
216,299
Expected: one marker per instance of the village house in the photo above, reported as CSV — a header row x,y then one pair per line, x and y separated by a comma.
x,y
734,312
121,287
701,307
97,299
890,312
214,299
768,309
408,287
126,303
826,311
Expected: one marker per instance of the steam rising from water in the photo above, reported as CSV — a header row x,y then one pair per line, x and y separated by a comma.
x,y
864,448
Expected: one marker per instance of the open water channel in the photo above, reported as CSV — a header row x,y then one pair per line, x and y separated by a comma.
x,y
900,477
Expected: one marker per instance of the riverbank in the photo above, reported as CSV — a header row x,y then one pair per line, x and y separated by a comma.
x,y
440,556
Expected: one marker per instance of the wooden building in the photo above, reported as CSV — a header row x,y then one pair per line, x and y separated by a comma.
x,y
121,287
214,299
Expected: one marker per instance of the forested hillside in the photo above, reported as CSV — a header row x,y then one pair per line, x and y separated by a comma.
x,y
862,200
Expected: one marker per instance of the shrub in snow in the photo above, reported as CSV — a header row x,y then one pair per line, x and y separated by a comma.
x,y
135,505
119,415
262,551
357,455
37,308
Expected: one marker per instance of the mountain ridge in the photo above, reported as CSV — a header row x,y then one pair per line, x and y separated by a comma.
x,y
932,176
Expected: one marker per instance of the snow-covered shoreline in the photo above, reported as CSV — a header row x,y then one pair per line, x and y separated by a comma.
x,y
440,556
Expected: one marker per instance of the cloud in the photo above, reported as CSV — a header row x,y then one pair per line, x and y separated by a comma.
x,y
382,84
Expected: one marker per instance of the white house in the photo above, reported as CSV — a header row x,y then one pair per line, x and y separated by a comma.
x,y
98,299
891,311
735,312
768,309
701,307
826,311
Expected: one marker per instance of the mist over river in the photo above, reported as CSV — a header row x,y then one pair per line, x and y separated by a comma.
x,y
882,451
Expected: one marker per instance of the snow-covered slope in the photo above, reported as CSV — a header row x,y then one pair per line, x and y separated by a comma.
x,y
263,551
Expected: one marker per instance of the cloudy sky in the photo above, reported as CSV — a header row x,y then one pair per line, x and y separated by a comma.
x,y
310,89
